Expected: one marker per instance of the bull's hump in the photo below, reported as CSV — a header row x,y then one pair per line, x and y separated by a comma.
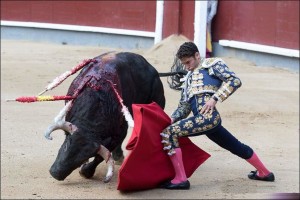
x,y
108,57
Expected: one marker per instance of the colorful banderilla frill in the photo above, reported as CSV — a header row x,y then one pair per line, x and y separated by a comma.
x,y
41,98
125,110
58,80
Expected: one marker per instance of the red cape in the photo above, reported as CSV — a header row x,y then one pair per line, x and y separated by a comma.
x,y
148,165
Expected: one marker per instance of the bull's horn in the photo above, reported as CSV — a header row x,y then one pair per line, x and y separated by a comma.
x,y
66,126
106,155
63,112
59,122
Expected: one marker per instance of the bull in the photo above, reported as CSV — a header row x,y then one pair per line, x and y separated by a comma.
x,y
93,122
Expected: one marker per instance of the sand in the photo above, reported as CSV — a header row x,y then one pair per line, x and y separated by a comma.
x,y
263,113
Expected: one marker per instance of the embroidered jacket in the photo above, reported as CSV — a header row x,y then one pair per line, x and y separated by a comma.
x,y
212,77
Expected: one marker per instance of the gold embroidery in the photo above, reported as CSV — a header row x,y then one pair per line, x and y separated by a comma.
x,y
176,129
188,124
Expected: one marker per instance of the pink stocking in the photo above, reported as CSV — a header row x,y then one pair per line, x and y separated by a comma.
x,y
177,162
255,162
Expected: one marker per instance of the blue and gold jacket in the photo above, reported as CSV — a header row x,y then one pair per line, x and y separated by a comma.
x,y
212,78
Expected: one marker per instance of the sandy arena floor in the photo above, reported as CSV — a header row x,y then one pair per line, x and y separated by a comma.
x,y
263,113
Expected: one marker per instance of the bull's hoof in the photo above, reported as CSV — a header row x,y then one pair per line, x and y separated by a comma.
x,y
86,171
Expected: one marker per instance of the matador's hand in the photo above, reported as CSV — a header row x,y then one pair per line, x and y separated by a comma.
x,y
209,106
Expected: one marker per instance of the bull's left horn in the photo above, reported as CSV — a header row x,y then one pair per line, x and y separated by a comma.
x,y
66,126
106,155
60,123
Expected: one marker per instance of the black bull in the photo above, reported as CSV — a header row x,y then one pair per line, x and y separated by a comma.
x,y
94,124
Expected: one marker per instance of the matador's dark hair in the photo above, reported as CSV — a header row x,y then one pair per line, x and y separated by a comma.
x,y
187,49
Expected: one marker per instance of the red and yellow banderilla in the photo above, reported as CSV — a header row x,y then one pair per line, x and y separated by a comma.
x,y
30,99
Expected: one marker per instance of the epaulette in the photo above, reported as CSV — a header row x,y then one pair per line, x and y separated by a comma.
x,y
208,62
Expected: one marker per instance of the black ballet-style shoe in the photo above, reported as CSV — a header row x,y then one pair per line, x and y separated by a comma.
x,y
164,184
185,185
253,175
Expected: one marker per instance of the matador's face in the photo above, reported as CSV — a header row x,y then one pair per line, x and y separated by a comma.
x,y
192,62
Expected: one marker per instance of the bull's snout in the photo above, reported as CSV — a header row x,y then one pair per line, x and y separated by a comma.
x,y
57,174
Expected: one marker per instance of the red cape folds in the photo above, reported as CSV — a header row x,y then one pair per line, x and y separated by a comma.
x,y
148,165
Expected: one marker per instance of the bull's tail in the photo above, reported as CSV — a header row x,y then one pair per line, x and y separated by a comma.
x,y
177,72
180,73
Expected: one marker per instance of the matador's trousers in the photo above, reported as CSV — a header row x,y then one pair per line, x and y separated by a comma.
x,y
208,124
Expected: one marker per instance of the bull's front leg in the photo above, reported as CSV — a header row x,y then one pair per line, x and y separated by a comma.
x,y
118,155
88,169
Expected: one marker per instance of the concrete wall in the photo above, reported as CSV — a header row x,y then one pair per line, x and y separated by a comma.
x,y
77,37
258,58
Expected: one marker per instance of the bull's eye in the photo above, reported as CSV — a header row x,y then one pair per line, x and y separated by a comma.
x,y
66,147
67,144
